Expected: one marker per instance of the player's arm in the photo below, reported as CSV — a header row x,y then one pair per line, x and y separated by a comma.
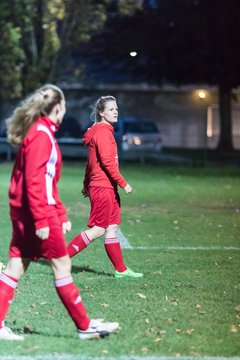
x,y
37,153
106,147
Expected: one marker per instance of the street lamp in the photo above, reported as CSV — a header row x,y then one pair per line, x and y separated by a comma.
x,y
133,53
202,94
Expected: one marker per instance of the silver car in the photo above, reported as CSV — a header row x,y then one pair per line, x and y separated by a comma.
x,y
137,137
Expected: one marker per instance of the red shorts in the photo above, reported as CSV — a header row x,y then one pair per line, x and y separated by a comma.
x,y
26,244
105,207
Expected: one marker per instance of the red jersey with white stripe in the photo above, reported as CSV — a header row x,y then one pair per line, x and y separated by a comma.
x,y
102,167
36,171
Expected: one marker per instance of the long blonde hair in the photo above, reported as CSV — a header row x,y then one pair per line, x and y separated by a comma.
x,y
40,103
99,107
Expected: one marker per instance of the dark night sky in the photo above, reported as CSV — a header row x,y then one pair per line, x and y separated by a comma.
x,y
181,41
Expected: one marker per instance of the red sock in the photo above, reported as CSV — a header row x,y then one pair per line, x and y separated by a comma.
x,y
7,286
72,301
78,243
114,252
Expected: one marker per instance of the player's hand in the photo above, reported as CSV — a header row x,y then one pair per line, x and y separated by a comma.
x,y
66,226
43,233
85,192
128,189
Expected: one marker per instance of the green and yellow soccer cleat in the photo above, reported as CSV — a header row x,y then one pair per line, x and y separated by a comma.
x,y
127,274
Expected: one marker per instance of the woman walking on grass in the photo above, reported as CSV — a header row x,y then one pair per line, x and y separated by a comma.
x,y
39,219
102,178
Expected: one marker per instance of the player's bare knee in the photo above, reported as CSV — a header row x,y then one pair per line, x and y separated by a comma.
x,y
111,230
61,267
16,267
95,232
101,232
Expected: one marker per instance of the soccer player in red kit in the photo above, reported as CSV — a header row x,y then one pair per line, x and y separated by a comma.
x,y
39,219
102,178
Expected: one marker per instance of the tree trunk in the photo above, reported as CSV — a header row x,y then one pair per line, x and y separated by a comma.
x,y
62,56
225,114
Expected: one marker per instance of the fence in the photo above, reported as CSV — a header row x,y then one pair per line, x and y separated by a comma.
x,y
70,147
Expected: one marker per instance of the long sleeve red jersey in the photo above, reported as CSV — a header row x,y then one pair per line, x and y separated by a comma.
x,y
36,171
102,168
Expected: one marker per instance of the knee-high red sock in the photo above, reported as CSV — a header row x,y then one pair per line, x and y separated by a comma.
x,y
7,286
114,252
70,297
78,243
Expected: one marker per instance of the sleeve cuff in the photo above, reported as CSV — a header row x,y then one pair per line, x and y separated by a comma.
x,y
123,184
39,224
63,218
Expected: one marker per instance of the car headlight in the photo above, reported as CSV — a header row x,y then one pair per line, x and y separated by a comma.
x,y
137,140
127,139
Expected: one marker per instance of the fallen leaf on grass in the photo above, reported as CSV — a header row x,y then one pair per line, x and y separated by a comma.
x,y
188,331
149,330
142,296
179,331
105,351
237,308
177,285
144,349
198,306
162,332
233,328
157,272
157,340
105,305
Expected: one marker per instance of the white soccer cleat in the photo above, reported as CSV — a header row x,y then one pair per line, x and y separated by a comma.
x,y
7,334
98,329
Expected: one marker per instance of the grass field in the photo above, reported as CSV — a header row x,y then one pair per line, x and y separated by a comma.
x,y
184,227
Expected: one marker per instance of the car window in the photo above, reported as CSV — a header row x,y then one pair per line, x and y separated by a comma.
x,y
140,127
